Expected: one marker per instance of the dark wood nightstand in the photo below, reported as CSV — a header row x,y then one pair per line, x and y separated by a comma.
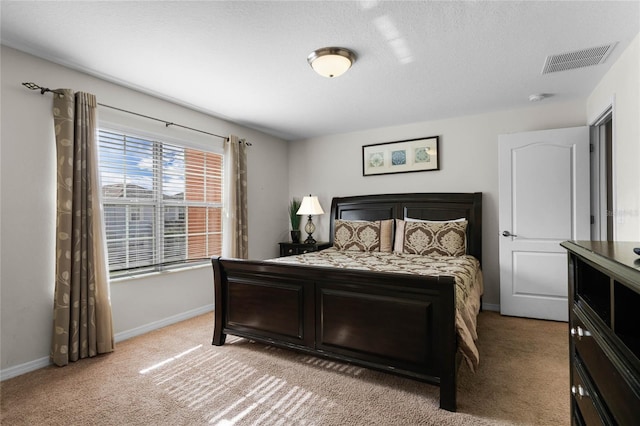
x,y
288,248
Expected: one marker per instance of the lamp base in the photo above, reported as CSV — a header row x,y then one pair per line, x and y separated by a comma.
x,y
309,228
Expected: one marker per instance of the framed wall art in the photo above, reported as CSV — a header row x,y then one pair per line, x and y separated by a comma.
x,y
412,155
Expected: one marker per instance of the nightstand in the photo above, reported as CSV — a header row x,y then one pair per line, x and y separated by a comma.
x,y
290,249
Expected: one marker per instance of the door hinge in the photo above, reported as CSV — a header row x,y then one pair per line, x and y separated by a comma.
x,y
591,147
593,219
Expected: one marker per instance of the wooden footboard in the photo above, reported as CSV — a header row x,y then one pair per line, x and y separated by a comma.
x,y
397,323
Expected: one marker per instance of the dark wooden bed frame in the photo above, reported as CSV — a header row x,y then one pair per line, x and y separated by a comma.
x,y
397,323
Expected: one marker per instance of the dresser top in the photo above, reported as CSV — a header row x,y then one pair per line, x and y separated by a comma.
x,y
618,256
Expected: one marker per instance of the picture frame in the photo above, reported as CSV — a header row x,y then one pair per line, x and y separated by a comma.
x,y
405,156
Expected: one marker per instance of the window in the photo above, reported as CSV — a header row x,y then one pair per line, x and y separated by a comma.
x,y
162,203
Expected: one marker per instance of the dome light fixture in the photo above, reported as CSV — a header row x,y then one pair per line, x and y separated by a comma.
x,y
537,97
331,61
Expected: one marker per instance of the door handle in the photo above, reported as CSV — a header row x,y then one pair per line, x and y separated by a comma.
x,y
508,234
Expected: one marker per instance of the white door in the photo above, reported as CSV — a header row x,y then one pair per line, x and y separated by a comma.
x,y
544,200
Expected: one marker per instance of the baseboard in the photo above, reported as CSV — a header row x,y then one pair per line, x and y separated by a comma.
x,y
124,335
27,367
490,307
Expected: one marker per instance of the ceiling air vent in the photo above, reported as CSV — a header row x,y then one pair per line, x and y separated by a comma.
x,y
578,59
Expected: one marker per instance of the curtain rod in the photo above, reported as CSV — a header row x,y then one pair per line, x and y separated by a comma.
x,y
43,90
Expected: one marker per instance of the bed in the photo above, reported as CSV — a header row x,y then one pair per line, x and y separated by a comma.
x,y
400,323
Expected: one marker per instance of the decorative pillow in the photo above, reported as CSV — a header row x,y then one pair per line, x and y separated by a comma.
x,y
363,235
431,238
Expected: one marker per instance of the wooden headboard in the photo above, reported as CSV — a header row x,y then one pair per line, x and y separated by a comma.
x,y
430,206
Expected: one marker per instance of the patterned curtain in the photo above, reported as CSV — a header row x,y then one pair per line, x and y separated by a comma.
x,y
235,234
82,325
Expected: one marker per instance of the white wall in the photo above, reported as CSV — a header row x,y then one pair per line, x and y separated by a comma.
x,y
620,87
27,213
327,166
332,166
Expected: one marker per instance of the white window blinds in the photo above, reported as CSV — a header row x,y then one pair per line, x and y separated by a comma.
x,y
162,203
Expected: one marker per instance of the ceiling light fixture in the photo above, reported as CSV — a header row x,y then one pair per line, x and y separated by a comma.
x,y
331,61
537,97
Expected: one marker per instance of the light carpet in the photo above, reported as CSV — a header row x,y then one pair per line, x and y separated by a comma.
x,y
174,376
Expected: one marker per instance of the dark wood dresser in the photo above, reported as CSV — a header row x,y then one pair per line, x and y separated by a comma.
x,y
604,332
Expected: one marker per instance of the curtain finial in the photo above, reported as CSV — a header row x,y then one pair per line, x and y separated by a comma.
x,y
43,90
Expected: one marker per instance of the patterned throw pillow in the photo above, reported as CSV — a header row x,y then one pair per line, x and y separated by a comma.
x,y
435,238
362,235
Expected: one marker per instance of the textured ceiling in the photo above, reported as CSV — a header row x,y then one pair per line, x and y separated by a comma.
x,y
246,61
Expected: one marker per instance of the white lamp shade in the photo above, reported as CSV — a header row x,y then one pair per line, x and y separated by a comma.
x,y
310,206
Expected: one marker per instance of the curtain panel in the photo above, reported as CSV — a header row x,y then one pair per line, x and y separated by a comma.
x,y
235,230
82,325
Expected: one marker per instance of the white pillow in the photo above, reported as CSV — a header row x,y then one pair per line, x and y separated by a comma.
x,y
410,219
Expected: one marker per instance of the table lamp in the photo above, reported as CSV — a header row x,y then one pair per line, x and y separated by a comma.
x,y
310,206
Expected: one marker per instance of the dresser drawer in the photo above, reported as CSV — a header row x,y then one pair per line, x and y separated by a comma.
x,y
605,370
292,249
591,409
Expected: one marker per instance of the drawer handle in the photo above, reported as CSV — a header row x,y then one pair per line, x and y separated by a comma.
x,y
580,332
290,250
579,391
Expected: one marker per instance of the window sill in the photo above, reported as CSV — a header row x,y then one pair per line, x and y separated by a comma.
x,y
145,275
